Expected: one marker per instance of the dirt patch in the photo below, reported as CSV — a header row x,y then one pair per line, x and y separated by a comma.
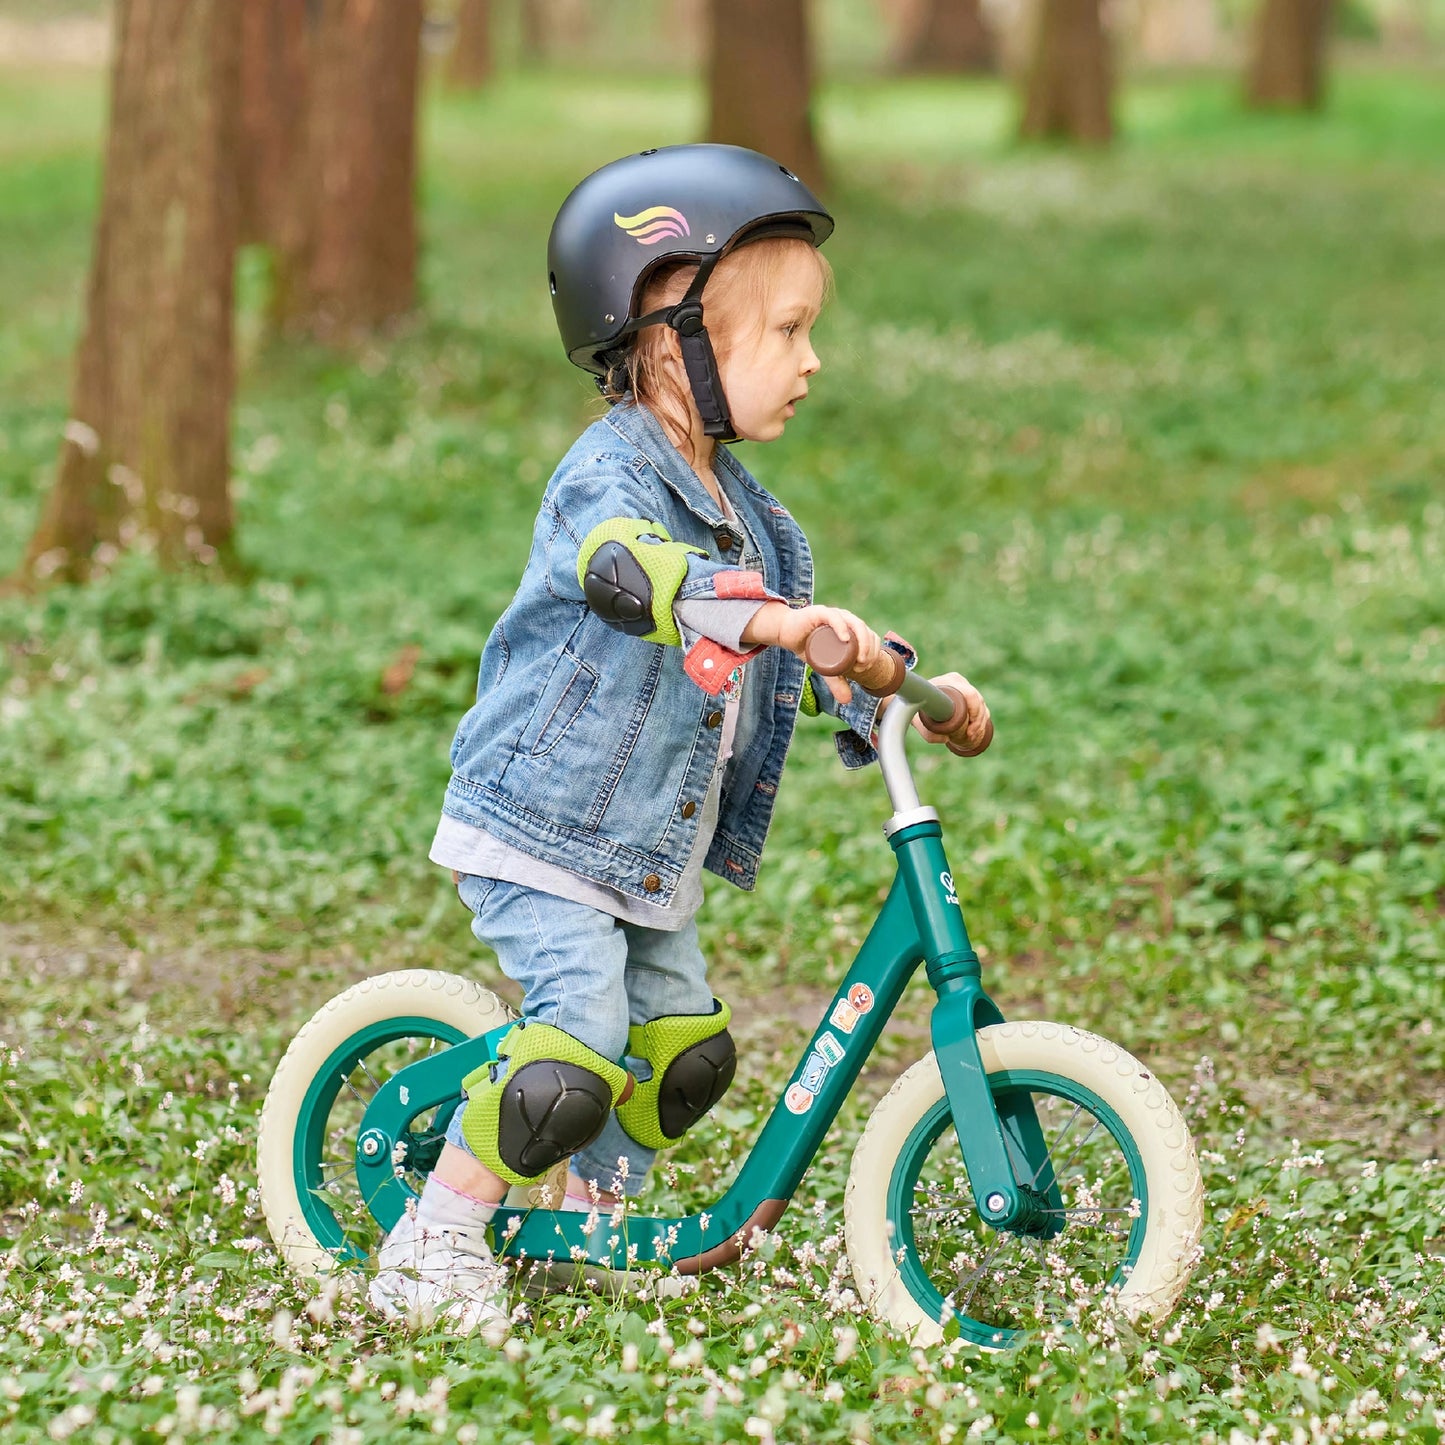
x,y
187,981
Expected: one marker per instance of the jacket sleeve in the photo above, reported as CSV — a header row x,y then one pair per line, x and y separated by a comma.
x,y
854,740
605,551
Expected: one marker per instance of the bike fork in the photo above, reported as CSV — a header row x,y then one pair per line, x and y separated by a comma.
x,y
1004,1151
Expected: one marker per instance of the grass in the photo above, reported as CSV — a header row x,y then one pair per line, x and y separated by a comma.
x,y
1149,444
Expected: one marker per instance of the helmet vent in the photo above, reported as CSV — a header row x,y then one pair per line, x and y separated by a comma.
x,y
787,173
652,152
552,281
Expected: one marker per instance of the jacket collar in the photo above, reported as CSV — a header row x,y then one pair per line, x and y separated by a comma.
x,y
637,425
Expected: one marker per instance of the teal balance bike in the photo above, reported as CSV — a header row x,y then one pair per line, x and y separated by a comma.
x,y
1012,1177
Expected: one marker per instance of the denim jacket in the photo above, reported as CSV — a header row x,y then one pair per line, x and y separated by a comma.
x,y
592,749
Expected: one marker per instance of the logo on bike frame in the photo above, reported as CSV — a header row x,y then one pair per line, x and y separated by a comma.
x,y
950,893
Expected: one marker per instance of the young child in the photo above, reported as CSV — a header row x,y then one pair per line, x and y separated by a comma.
x,y
635,701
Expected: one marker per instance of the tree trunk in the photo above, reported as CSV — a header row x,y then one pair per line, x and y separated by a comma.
x,y
273,119
1288,69
1068,79
946,36
759,74
146,457
353,267
469,66
532,40
683,23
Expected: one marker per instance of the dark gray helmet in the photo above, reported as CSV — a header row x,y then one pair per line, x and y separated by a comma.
x,y
679,203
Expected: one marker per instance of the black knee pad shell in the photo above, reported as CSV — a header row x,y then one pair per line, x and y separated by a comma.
x,y
693,1062
552,1100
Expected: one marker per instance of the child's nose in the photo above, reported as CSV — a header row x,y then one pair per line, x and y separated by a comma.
x,y
811,364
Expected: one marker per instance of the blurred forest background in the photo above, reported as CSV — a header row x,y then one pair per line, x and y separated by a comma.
x,y
1131,409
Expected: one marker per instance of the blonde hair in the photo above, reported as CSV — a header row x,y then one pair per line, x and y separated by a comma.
x,y
739,289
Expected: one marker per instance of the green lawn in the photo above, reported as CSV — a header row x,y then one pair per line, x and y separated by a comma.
x,y
1151,445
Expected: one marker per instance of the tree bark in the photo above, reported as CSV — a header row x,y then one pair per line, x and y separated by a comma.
x,y
145,461
1068,78
274,83
469,66
1288,68
352,268
759,76
532,39
948,37
683,23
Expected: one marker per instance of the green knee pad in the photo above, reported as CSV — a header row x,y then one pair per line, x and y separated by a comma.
x,y
693,1061
552,1100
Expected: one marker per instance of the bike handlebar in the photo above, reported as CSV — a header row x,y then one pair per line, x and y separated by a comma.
x,y
833,656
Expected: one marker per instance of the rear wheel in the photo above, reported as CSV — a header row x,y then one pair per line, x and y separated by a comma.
x,y
307,1145
1123,1225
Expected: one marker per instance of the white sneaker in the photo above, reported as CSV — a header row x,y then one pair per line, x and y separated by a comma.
x,y
426,1275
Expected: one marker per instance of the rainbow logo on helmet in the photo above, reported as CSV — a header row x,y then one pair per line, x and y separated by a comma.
x,y
657,223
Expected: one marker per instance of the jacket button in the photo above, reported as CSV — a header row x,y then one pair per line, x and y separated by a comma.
x,y
714,719
652,883
860,744
725,540
689,808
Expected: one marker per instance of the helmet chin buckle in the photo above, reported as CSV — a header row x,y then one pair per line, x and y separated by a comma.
x,y
701,365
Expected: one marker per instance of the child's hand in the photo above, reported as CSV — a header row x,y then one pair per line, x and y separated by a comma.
x,y
977,733
775,624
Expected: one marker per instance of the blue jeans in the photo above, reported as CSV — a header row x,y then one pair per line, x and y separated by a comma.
x,y
590,975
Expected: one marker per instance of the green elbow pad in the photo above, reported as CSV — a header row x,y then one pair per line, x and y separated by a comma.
x,y
809,704
630,572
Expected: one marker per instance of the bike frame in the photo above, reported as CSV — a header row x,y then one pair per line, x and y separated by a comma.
x,y
921,922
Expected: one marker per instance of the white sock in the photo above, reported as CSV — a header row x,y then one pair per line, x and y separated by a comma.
x,y
443,1207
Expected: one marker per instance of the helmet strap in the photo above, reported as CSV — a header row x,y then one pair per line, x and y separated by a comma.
x,y
702,373
698,359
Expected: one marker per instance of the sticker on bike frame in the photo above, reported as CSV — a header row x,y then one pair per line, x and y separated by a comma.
x,y
861,997
950,893
798,1099
815,1070
830,1048
844,1016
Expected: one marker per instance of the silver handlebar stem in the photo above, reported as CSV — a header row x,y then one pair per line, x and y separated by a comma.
x,y
916,695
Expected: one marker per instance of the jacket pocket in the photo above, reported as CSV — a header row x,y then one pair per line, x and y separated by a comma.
x,y
571,684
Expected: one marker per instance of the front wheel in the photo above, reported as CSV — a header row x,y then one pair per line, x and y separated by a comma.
x,y
1129,1200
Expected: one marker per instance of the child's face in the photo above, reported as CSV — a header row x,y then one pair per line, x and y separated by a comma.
x,y
765,371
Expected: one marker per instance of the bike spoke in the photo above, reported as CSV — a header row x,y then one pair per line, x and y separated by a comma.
x,y
1013,1278
1058,1140
1060,1172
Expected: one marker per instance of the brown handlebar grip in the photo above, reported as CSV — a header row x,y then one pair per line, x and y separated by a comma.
x,y
956,744
833,656
956,720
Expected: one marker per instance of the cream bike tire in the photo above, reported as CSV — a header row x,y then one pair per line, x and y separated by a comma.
x,y
927,1265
